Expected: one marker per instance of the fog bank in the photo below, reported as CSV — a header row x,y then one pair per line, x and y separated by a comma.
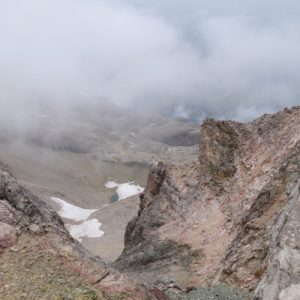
x,y
192,59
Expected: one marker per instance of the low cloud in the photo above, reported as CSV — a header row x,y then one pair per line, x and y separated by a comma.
x,y
212,62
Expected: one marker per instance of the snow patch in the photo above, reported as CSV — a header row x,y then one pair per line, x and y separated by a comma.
x,y
89,229
125,190
70,211
111,184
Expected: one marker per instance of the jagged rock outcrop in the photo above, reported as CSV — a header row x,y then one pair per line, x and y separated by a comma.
x,y
282,277
231,217
40,260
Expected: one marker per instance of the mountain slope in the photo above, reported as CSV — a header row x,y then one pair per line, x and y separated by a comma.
x,y
71,152
39,259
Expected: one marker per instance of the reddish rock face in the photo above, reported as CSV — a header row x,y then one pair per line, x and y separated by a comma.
x,y
8,232
214,220
7,236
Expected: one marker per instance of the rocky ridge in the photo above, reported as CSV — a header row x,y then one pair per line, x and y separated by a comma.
x,y
232,217
40,260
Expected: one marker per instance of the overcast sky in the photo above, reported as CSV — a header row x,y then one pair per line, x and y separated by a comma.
x,y
224,59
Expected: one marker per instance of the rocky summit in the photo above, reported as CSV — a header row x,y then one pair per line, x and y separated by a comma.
x,y
224,226
232,218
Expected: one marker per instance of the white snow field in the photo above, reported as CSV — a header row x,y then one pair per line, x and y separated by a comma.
x,y
70,211
125,190
89,228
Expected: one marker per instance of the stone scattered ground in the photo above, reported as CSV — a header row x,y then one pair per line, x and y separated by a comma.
x,y
218,292
29,272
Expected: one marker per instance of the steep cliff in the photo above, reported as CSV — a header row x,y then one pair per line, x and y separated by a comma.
x,y
39,259
231,217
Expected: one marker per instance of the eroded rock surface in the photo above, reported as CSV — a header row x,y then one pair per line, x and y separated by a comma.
x,y
231,217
